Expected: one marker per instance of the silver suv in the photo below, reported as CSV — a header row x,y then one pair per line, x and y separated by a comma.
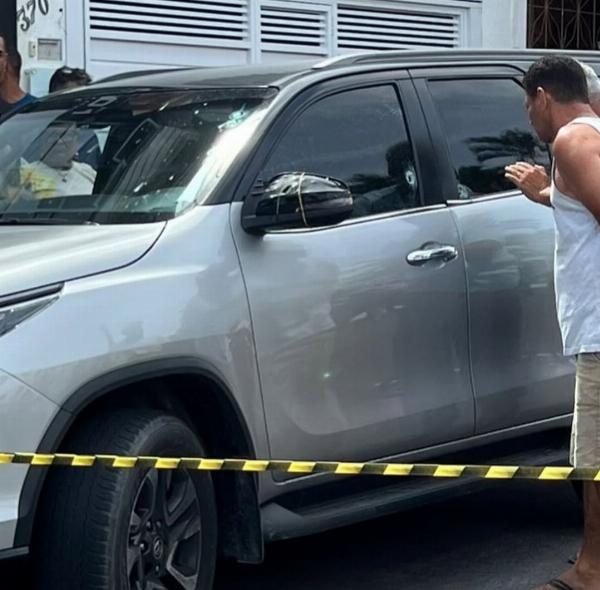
x,y
292,262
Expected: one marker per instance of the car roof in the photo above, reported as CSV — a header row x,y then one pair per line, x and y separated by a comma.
x,y
280,75
210,77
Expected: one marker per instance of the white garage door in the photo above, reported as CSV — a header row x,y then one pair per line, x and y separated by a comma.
x,y
138,34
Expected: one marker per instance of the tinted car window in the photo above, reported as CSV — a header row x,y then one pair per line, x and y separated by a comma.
x,y
358,137
487,128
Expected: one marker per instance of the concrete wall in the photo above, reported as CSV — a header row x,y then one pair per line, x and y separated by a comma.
x,y
485,23
504,24
41,35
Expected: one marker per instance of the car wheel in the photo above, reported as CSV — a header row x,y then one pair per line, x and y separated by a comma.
x,y
127,529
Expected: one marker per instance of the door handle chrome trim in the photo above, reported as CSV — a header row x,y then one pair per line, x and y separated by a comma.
x,y
428,253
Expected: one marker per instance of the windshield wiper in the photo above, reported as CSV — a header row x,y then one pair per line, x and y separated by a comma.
x,y
43,221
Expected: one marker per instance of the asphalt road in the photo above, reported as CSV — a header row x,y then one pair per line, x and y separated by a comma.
x,y
514,535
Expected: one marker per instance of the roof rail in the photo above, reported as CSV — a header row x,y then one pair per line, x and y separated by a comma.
x,y
137,73
346,59
384,56
412,55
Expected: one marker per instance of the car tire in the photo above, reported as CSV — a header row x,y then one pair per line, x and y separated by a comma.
x,y
120,529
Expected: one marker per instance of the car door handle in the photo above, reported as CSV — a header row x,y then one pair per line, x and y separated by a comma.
x,y
429,252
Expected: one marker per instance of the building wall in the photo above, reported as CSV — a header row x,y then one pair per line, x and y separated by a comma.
x,y
108,38
41,32
505,24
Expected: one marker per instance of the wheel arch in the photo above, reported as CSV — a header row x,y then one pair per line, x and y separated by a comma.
x,y
197,393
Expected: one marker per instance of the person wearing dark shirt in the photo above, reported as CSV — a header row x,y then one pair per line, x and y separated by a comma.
x,y
12,96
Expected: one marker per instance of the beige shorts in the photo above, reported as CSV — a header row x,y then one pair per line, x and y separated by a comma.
x,y
585,435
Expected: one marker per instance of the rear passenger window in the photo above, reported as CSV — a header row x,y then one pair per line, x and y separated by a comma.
x,y
486,127
360,137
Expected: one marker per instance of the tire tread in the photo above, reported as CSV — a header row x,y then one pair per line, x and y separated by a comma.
x,y
79,503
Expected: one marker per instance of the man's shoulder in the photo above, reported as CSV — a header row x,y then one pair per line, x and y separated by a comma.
x,y
573,139
26,99
40,179
7,108
37,166
84,170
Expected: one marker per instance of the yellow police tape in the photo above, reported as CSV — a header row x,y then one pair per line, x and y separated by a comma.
x,y
306,467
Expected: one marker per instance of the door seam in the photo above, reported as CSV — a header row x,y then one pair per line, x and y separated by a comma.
x,y
468,315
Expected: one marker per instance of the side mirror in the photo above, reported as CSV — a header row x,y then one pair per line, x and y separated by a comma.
x,y
297,200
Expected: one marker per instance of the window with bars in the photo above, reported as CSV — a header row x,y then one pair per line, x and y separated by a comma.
x,y
564,24
225,20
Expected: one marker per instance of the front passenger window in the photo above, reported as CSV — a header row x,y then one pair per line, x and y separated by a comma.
x,y
359,137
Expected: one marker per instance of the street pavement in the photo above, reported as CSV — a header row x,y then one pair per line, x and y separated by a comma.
x,y
513,535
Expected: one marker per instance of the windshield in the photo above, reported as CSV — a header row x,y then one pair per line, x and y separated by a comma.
x,y
126,157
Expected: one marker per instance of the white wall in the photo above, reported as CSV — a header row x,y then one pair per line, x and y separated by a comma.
x,y
38,23
115,50
487,23
505,24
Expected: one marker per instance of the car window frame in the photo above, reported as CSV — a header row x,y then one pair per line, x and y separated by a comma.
x,y
416,127
422,77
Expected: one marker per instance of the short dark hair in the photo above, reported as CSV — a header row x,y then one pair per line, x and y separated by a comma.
x,y
15,60
562,77
66,75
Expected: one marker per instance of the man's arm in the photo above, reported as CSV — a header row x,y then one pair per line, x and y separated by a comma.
x,y
532,181
577,155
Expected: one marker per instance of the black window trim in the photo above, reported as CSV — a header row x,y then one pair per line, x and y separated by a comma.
x,y
415,125
421,79
491,197
359,220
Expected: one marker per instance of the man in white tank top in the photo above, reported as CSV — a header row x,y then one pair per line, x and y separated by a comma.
x,y
558,104
532,180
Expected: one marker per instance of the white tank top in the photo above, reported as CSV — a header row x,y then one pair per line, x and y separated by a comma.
x,y
577,268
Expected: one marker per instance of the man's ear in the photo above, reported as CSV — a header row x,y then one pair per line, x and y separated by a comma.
x,y
542,97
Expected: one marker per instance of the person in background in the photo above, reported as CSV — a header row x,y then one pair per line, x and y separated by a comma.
x,y
12,96
57,173
533,180
66,78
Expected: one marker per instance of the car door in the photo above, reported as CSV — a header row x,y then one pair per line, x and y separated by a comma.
x,y
478,120
361,354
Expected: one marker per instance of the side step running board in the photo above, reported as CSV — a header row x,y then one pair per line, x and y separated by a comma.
x,y
351,500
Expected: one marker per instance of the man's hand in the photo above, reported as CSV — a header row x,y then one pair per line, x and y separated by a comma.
x,y
531,180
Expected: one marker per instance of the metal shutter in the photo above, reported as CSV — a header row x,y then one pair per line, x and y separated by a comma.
x,y
294,27
225,20
361,27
